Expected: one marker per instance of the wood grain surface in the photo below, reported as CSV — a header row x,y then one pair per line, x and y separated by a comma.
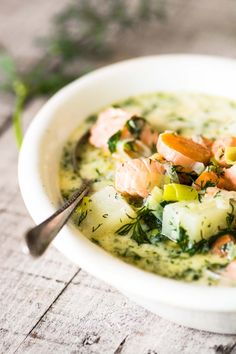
x,y
50,305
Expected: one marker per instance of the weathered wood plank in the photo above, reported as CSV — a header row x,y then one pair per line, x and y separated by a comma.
x,y
46,306
90,317
27,287
44,311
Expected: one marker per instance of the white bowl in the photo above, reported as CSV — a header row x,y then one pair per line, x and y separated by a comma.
x,y
202,307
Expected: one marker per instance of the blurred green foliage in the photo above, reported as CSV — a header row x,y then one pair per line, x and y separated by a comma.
x,y
83,33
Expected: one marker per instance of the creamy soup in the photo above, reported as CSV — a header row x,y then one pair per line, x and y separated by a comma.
x,y
175,218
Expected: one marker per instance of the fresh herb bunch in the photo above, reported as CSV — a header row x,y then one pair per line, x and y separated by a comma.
x,y
83,34
145,228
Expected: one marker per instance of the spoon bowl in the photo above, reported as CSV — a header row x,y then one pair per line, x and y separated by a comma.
x,y
39,238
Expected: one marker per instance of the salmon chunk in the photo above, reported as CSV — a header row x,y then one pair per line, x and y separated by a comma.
x,y
137,177
149,136
219,147
202,140
108,123
113,120
214,191
182,151
220,246
230,178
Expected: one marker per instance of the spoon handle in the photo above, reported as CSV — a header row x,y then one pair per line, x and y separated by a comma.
x,y
38,238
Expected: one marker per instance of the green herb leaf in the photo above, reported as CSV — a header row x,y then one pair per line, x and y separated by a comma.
x,y
230,216
82,210
125,229
95,228
113,140
82,216
139,235
21,94
135,126
183,240
130,146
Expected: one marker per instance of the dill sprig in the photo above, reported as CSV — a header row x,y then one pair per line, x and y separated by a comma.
x,y
230,216
142,227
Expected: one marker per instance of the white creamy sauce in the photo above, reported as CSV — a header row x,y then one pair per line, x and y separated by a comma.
x,y
187,114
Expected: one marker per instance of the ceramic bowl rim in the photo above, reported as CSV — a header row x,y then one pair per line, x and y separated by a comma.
x,y
119,274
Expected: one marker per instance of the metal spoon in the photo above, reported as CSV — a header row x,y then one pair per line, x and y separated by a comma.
x,y
38,238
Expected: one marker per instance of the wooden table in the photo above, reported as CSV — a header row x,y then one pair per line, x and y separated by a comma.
x,y
50,305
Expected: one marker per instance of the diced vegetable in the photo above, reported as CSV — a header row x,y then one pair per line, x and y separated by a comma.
x,y
107,211
154,198
153,202
182,151
230,155
209,179
199,220
179,192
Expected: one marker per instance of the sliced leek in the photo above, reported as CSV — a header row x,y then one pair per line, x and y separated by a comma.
x,y
230,155
179,192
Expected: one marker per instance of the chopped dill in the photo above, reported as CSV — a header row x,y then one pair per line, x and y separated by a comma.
x,y
96,228
142,228
230,216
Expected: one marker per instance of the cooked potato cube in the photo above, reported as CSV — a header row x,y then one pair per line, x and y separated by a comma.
x,y
199,220
107,211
